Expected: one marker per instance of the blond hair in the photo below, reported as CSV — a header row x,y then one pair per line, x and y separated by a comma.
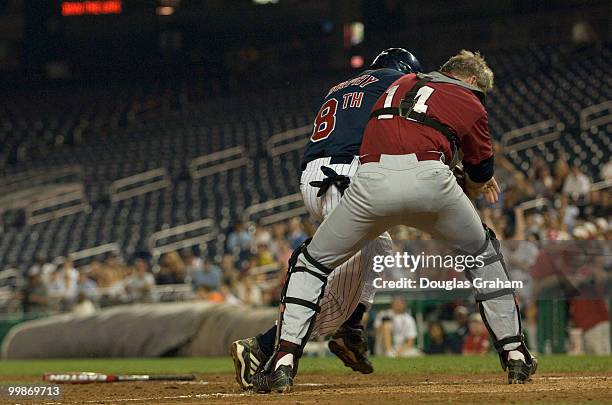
x,y
466,64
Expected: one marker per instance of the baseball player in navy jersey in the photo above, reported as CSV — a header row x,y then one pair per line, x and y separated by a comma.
x,y
330,161
414,133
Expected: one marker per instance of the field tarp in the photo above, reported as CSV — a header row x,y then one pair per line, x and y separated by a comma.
x,y
142,330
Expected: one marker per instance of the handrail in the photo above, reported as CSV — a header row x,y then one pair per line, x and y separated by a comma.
x,y
116,188
11,273
39,176
90,252
601,185
209,232
218,162
587,123
527,136
535,203
55,206
274,203
288,141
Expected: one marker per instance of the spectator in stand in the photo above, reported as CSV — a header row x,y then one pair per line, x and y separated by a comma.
x,y
589,310
438,343
261,236
204,293
171,269
476,341
62,288
85,285
193,267
606,171
577,184
239,240
562,170
210,276
248,292
228,268
83,306
460,315
264,255
227,295
297,235
279,236
541,179
68,270
35,297
396,331
140,285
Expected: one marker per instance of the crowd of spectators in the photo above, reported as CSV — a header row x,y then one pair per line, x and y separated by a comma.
x,y
230,278
252,268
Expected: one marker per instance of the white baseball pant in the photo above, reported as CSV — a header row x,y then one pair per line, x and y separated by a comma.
x,y
350,283
399,190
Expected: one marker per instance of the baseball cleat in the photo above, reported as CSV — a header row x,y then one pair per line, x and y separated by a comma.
x,y
350,346
248,360
519,371
279,380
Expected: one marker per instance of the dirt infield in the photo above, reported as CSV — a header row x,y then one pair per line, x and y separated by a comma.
x,y
593,388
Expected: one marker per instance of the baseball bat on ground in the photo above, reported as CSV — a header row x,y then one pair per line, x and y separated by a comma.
x,y
87,377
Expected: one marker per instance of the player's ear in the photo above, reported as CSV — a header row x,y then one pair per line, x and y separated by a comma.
x,y
473,80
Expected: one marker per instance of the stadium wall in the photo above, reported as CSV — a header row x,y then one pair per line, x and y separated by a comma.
x,y
143,330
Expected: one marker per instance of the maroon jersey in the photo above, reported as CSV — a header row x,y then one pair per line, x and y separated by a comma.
x,y
454,106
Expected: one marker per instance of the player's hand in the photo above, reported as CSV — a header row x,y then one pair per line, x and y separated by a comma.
x,y
490,189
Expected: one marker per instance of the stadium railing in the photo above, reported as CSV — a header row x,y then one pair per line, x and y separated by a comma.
x,y
288,141
216,162
138,184
196,233
532,135
596,115
65,201
276,210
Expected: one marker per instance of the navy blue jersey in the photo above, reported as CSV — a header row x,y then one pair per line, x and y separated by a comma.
x,y
339,125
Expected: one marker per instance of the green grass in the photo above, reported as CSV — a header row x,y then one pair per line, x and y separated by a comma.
x,y
419,365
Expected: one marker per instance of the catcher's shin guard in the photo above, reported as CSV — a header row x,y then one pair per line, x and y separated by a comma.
x,y
498,306
300,297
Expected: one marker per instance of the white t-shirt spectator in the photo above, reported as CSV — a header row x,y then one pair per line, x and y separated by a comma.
x,y
577,184
403,326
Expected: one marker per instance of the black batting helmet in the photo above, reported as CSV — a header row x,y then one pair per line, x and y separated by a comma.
x,y
398,59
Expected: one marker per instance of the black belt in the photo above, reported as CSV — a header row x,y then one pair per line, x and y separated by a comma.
x,y
335,160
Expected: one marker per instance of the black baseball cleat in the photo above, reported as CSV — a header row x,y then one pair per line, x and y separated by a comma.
x,y
279,380
248,360
350,346
519,371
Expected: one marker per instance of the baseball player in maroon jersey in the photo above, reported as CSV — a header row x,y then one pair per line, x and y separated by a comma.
x,y
415,132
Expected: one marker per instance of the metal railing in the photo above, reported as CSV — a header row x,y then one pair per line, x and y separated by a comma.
x,y
271,206
39,177
94,251
216,162
532,135
596,115
288,141
601,185
138,184
179,237
68,200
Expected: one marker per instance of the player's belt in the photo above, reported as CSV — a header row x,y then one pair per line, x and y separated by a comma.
x,y
334,160
375,157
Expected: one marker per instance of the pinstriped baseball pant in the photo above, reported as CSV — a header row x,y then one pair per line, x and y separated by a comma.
x,y
350,283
